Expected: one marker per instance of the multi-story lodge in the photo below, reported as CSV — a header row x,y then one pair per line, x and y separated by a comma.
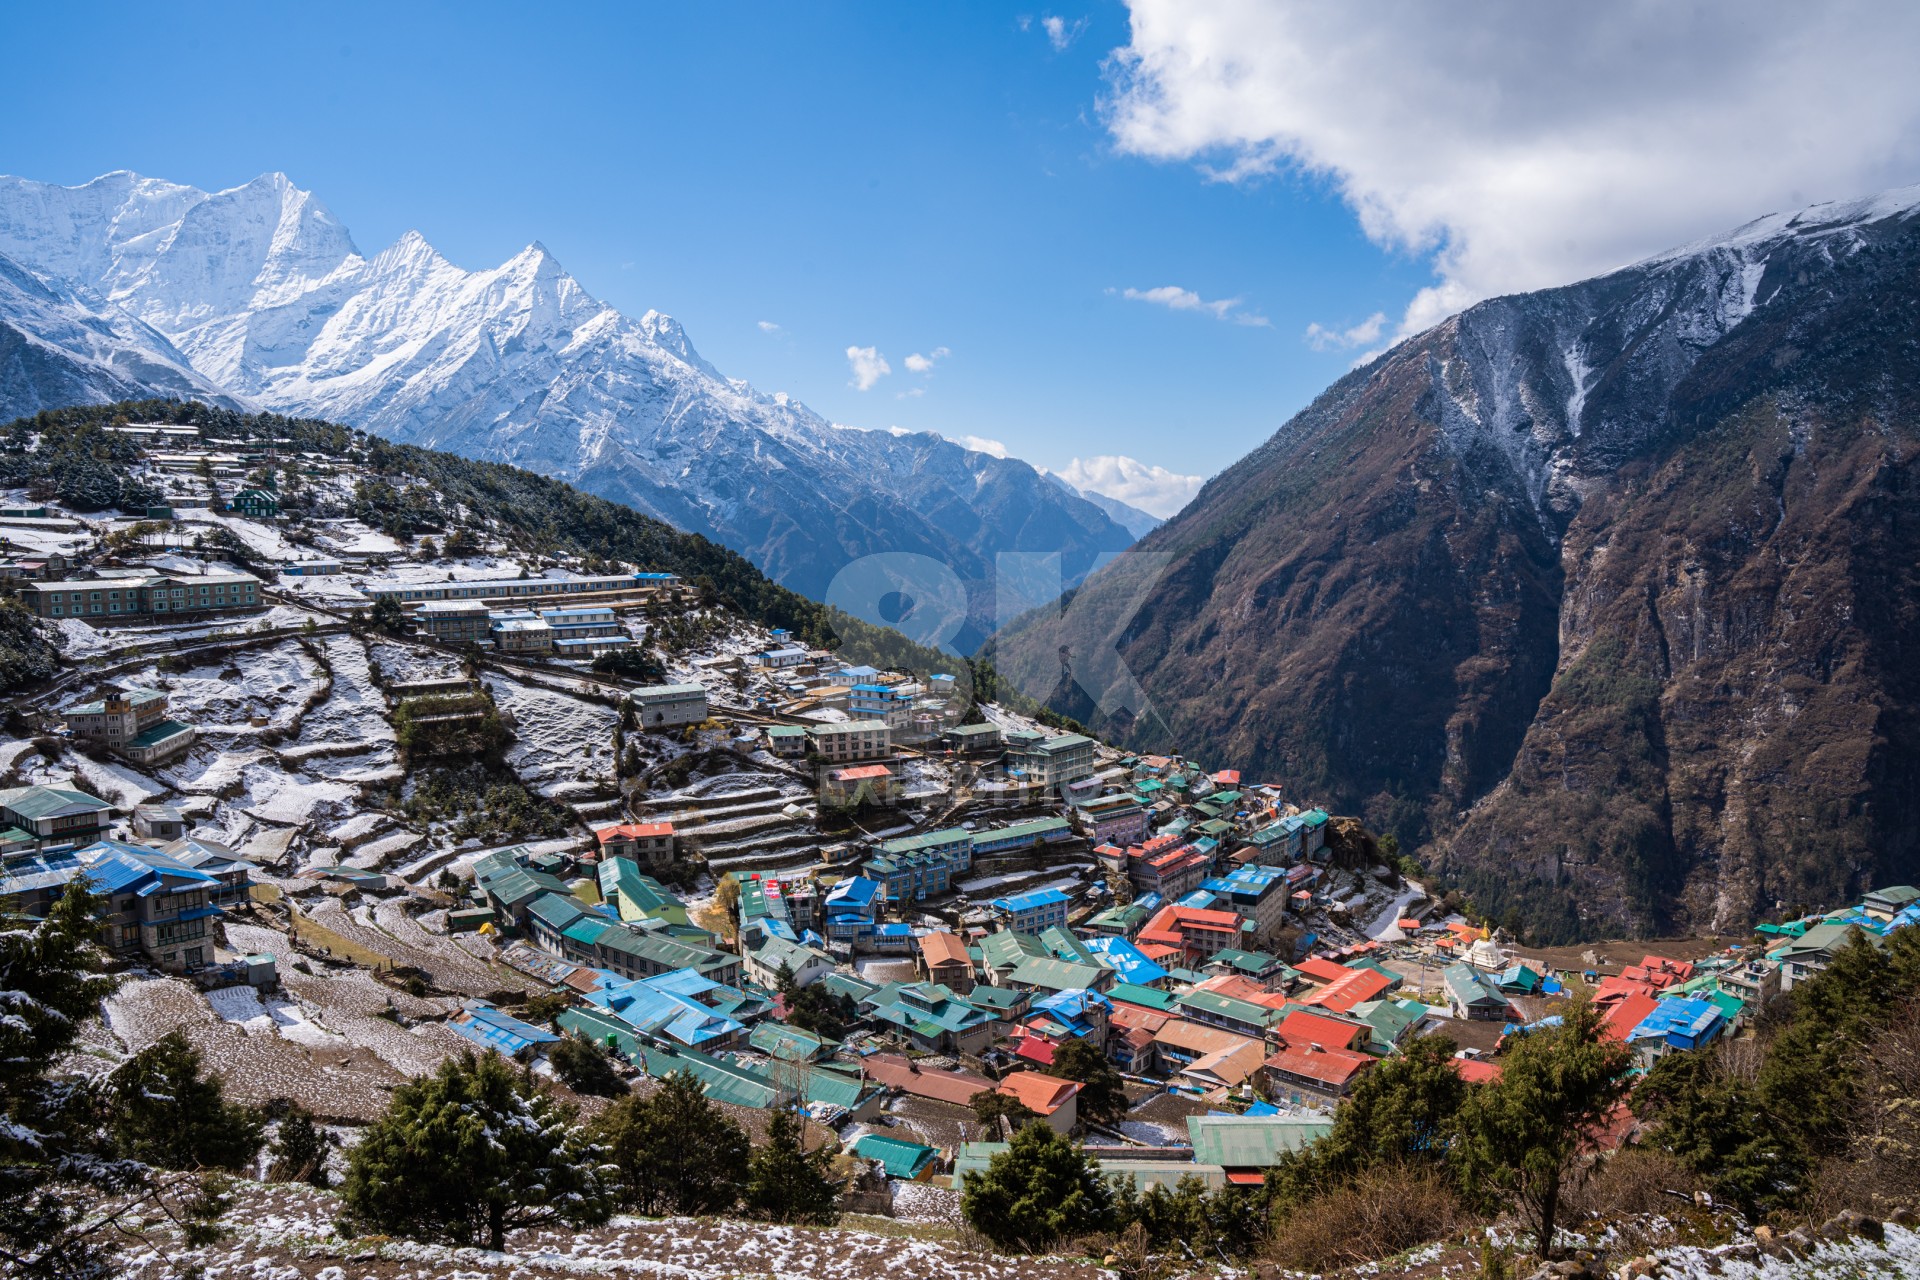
x,y
667,705
851,740
488,590
140,595
133,723
1050,762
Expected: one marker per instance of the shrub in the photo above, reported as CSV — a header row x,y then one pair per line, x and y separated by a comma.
x,y
1384,1211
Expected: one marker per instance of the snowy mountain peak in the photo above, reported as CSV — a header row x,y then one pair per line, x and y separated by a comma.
x,y
262,289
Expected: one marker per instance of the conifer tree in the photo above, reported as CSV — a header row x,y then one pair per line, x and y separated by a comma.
x,y
167,1111
674,1151
1041,1189
474,1151
785,1181
1521,1136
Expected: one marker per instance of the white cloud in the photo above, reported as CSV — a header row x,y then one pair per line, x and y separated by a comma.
x,y
1155,490
981,444
768,326
1528,145
924,364
868,366
1060,32
911,393
1175,298
1322,338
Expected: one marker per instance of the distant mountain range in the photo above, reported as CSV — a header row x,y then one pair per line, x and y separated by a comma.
x,y
257,296
1604,598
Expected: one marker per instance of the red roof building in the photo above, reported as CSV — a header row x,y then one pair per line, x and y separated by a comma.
x,y
1196,932
1313,1069
1357,986
1321,969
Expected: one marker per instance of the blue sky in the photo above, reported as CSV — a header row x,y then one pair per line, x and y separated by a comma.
x,y
992,180
901,177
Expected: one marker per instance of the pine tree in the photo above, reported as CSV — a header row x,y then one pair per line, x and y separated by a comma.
x,y
788,1183
1041,1189
1103,1091
585,1067
1520,1137
1404,1110
474,1151
49,1165
300,1150
166,1111
675,1152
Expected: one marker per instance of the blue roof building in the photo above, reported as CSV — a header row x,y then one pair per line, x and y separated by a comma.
x,y
489,1028
1032,912
1677,1023
1127,961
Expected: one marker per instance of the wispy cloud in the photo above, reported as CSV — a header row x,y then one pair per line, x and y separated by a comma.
x,y
868,366
1322,338
1060,32
981,444
1155,490
924,363
1174,298
768,326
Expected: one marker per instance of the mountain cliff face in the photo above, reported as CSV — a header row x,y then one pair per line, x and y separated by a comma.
x,y
1604,595
55,350
265,294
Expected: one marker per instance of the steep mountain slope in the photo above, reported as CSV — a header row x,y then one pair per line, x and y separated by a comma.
x,y
1605,592
1129,517
266,294
57,350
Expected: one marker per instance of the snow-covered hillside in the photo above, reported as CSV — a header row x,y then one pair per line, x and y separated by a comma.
x,y
266,295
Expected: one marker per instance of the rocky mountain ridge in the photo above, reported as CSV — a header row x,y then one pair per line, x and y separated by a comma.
x,y
1601,595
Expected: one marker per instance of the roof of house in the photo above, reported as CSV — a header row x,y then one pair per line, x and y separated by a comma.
x,y
1333,1067
1056,975
50,802
900,1158
634,831
1303,1027
941,948
1356,986
1038,1093
1038,898
1251,1142
1628,1013
896,1071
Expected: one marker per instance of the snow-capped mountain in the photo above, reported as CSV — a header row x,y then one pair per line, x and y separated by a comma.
x,y
265,294
56,350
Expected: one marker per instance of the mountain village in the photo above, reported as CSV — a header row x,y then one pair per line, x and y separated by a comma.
x,y
809,883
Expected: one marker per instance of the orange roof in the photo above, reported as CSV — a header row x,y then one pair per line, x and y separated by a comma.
x,y
634,831
1303,1028
861,773
1327,1066
1342,994
1321,969
1156,951
1041,1094
944,948
1407,924
1227,777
